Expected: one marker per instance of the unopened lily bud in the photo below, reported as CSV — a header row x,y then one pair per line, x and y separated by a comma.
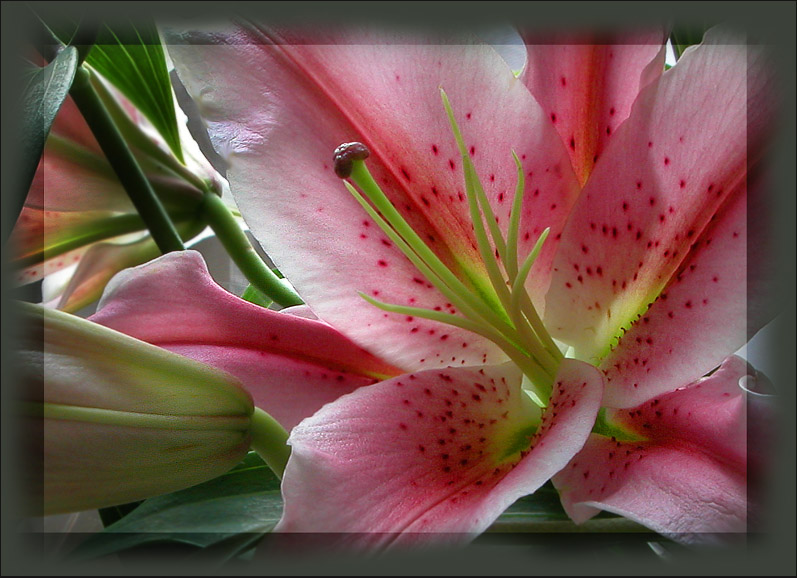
x,y
123,420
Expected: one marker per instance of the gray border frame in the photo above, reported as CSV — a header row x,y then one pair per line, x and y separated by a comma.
x,y
773,23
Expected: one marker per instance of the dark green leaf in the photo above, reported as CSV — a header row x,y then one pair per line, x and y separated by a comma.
x,y
113,514
228,513
41,100
684,36
132,59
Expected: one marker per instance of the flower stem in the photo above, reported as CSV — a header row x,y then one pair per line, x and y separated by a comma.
x,y
269,440
243,253
124,164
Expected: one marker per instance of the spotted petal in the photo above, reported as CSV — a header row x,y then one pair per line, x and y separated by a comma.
x,y
434,451
678,163
291,365
587,89
685,475
301,100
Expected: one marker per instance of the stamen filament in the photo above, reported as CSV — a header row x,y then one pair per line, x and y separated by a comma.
x,y
511,260
541,376
410,243
520,297
486,252
458,300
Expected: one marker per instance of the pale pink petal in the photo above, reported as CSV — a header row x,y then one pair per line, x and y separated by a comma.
x,y
666,174
98,265
587,89
435,451
697,320
301,100
289,364
687,473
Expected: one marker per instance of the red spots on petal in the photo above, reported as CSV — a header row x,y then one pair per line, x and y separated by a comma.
x,y
403,426
435,150
682,184
553,117
584,249
451,164
572,143
469,115
472,150
563,81
382,263
666,161
406,174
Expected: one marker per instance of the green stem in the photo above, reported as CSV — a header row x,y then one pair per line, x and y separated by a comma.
x,y
124,164
269,440
243,253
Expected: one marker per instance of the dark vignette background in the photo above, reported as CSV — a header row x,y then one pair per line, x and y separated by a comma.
x,y
769,23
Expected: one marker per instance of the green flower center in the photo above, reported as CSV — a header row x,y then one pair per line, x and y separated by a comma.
x,y
501,310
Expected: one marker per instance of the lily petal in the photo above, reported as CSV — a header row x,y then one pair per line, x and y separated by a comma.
x,y
434,451
708,291
687,475
290,365
665,174
385,92
587,89
96,267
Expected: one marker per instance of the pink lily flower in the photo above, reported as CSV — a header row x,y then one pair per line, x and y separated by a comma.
x,y
77,214
654,218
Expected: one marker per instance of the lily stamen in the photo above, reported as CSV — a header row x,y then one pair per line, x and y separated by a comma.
x,y
507,316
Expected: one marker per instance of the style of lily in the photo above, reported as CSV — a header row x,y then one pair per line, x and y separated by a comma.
x,y
77,217
632,254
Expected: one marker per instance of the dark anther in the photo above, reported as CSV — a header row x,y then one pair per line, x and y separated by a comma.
x,y
345,154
